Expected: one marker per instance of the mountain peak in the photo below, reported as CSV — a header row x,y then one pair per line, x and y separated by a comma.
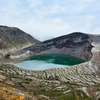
x,y
12,36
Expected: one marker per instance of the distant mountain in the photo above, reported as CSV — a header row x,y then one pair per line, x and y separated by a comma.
x,y
11,36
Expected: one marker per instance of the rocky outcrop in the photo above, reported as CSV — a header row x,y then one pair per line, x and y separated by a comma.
x,y
18,97
2,78
10,93
8,80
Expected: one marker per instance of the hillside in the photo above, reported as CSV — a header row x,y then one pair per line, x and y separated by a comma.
x,y
11,36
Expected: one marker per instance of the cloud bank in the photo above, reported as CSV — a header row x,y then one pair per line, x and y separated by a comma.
x,y
45,19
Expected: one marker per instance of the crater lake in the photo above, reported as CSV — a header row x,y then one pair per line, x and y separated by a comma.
x,y
47,61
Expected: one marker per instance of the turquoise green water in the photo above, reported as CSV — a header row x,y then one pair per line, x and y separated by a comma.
x,y
42,62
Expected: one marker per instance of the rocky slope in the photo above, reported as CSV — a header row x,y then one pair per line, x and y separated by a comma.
x,y
75,44
84,77
40,89
80,45
9,93
11,36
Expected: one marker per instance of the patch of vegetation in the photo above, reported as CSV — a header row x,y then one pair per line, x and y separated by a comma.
x,y
41,98
21,78
74,95
51,93
26,80
58,95
1,98
9,85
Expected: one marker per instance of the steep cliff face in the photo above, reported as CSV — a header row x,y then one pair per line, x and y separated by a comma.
x,y
10,36
75,44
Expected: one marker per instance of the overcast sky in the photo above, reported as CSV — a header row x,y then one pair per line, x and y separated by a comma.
x,y
45,19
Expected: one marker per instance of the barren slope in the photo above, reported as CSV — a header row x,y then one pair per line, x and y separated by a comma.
x,y
11,36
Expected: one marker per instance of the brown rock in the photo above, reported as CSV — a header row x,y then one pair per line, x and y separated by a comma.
x,y
18,97
8,80
2,78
